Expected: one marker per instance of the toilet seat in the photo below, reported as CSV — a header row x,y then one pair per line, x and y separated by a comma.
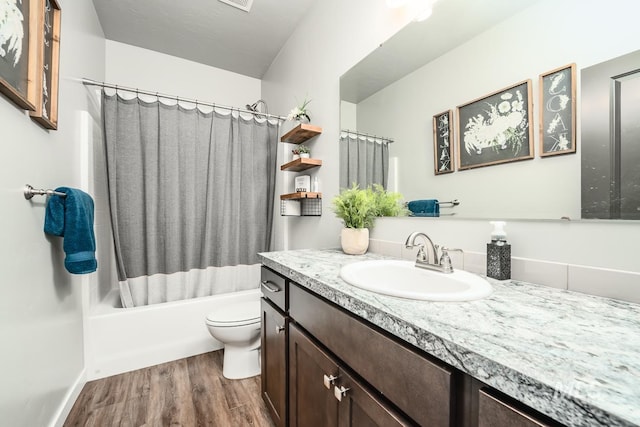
x,y
237,314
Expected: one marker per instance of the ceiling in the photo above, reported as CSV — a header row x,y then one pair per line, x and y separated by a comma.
x,y
205,31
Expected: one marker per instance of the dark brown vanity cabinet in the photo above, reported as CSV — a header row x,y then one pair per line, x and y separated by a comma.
x,y
274,344
324,366
494,410
419,387
323,394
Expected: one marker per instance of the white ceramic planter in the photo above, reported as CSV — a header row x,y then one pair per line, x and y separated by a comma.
x,y
355,241
304,155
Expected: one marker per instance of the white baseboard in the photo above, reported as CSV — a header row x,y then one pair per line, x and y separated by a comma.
x,y
70,398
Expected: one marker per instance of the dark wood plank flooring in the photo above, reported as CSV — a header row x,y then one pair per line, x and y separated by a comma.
x,y
187,392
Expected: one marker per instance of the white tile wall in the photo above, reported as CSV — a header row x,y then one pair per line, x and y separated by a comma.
x,y
603,282
546,273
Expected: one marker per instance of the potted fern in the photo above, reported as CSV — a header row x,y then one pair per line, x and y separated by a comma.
x,y
358,208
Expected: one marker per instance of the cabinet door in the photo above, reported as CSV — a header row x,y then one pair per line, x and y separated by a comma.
x,y
360,408
311,378
274,363
494,412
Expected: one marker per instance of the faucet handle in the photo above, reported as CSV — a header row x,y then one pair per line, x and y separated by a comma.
x,y
445,260
422,255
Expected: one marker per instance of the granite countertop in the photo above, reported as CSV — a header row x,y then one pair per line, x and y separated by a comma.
x,y
572,356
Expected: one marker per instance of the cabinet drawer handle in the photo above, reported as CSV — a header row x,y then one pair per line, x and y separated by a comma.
x,y
340,392
329,380
279,329
270,286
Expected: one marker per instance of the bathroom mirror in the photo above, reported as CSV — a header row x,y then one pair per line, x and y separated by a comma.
x,y
464,52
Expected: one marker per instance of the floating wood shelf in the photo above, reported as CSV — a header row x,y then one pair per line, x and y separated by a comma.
x,y
298,196
301,133
301,164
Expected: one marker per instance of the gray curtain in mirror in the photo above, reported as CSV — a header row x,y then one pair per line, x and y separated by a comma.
x,y
364,161
187,189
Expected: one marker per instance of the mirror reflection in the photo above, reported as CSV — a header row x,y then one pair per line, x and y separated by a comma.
x,y
464,52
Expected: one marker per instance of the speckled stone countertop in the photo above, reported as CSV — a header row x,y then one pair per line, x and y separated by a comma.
x,y
571,356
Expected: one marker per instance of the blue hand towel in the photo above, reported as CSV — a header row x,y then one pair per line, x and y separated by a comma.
x,y
429,207
72,218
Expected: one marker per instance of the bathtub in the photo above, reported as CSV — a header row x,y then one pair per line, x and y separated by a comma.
x,y
120,339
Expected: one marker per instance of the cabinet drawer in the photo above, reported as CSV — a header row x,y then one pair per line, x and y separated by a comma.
x,y
496,412
416,385
274,288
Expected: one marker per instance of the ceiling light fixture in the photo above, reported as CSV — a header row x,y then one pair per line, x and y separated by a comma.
x,y
394,4
420,9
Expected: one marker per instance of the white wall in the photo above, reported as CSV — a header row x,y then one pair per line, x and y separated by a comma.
x,y
327,42
140,68
314,64
40,303
539,188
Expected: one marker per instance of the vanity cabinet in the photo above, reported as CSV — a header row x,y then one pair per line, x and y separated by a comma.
x,y
418,386
329,368
323,394
274,344
494,410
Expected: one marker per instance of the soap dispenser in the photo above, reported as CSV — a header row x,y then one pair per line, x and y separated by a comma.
x,y
499,253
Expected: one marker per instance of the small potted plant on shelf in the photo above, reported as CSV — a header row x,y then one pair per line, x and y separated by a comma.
x,y
304,151
358,208
300,114
296,154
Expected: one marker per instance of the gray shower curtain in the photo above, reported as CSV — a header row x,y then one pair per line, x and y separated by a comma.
x,y
188,191
363,160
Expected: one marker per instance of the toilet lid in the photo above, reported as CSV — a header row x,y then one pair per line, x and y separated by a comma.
x,y
240,313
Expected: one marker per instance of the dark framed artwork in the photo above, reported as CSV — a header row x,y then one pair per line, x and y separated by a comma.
x,y
46,111
496,128
558,111
19,51
443,142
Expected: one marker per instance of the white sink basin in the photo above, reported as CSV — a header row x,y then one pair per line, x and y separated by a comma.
x,y
404,279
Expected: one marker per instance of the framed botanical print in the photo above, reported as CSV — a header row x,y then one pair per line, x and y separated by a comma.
x,y
19,51
496,128
558,111
443,143
46,111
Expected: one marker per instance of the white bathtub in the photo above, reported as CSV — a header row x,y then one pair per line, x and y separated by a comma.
x,y
119,340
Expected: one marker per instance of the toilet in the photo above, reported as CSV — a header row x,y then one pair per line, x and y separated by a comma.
x,y
237,326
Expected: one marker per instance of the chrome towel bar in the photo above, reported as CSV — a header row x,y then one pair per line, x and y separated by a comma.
x,y
29,192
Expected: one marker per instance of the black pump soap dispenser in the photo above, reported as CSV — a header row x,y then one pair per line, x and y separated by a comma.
x,y
499,253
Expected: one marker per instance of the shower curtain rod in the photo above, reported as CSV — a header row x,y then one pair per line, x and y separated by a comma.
x,y
137,91
353,132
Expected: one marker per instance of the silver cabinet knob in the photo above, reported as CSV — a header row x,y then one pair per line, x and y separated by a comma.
x,y
329,380
340,392
279,329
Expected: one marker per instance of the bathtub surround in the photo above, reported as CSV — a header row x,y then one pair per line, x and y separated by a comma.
x,y
126,339
565,354
188,189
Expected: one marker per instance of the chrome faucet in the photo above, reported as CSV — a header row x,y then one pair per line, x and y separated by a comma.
x,y
439,255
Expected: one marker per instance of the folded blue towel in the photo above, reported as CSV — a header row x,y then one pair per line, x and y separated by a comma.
x,y
429,207
72,218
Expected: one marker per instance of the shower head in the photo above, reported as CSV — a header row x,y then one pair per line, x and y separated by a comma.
x,y
254,107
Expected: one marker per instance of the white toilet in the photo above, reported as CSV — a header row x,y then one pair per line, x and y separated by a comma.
x,y
237,326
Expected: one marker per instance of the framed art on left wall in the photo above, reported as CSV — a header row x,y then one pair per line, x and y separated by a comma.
x,y
46,111
19,51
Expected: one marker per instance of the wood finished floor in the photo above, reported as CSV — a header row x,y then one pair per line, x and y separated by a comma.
x,y
187,392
